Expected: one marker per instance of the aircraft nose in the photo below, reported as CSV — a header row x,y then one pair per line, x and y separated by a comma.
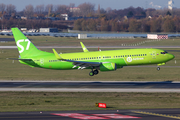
x,y
170,56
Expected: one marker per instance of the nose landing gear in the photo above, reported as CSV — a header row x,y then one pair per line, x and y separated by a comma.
x,y
158,68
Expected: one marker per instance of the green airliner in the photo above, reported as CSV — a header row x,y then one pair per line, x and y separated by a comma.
x,y
96,61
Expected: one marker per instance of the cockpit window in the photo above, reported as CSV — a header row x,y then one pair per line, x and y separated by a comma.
x,y
164,52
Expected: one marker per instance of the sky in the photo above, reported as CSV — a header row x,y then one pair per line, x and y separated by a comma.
x,y
114,4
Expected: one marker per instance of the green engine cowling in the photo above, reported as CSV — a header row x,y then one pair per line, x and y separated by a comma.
x,y
107,67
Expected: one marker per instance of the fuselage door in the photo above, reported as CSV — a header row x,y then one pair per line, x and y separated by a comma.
x,y
153,54
42,62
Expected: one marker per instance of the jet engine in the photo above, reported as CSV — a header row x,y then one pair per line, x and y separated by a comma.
x,y
108,67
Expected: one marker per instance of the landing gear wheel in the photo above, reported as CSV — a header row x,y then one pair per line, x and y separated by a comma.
x,y
91,73
158,68
95,72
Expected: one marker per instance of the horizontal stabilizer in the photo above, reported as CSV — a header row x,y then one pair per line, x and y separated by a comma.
x,y
57,55
19,59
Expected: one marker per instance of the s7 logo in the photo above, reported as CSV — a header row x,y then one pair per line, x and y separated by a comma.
x,y
23,45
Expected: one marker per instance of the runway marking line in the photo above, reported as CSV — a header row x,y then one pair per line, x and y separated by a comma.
x,y
93,116
78,116
156,114
115,116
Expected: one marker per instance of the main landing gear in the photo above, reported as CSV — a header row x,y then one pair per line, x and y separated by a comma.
x,y
93,72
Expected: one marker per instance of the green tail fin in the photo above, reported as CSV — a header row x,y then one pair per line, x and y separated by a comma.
x,y
25,47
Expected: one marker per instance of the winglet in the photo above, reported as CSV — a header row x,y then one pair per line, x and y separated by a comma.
x,y
84,47
57,55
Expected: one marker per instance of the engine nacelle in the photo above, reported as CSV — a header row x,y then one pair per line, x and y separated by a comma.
x,y
107,67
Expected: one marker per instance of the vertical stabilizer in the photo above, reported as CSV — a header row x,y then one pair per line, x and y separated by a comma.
x,y
24,45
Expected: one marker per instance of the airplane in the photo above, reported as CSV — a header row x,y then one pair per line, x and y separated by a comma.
x,y
96,60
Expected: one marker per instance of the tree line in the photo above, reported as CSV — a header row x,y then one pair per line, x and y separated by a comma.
x,y
156,24
35,24
84,9
49,10
123,20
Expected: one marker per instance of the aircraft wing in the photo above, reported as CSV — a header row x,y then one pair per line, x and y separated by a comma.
x,y
81,64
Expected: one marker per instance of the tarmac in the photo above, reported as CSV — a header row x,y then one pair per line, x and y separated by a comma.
x,y
90,86
142,114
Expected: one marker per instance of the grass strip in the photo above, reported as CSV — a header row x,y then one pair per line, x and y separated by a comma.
x,y
62,101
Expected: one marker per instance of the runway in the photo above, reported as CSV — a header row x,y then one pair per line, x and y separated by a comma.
x,y
149,114
90,86
120,47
